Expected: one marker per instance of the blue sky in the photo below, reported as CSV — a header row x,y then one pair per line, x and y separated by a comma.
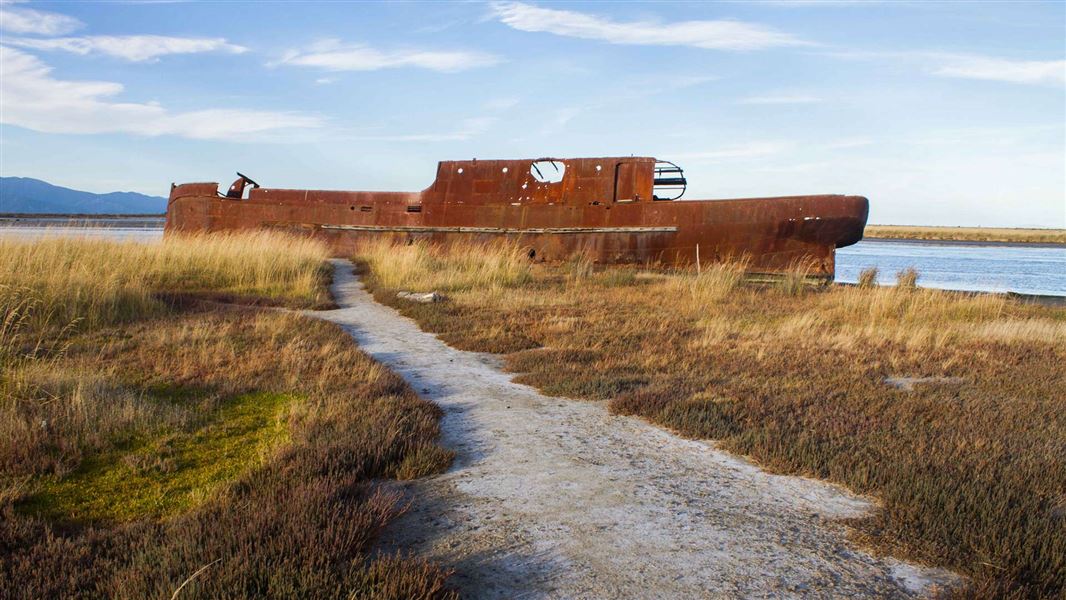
x,y
950,113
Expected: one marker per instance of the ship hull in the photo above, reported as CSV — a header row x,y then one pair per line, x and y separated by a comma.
x,y
604,208
772,234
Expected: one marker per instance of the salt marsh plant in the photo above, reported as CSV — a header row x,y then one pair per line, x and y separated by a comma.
x,y
149,432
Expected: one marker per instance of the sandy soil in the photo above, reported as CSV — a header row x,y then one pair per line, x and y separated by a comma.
x,y
551,497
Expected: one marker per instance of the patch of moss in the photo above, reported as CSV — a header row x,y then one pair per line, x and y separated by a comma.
x,y
171,472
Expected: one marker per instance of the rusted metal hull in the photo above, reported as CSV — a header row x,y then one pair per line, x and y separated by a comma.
x,y
603,208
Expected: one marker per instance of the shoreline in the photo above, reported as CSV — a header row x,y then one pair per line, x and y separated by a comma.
x,y
964,242
961,242
1010,235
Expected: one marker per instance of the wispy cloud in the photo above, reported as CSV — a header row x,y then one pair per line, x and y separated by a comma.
x,y
501,104
34,99
970,66
848,143
333,55
136,48
714,35
749,150
17,19
467,129
781,99
997,69
822,3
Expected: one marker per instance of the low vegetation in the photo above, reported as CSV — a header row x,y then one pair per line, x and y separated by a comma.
x,y
156,443
967,234
947,407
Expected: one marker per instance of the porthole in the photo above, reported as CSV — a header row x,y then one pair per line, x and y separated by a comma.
x,y
547,170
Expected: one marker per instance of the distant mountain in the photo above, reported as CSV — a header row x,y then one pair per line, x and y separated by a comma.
x,y
26,195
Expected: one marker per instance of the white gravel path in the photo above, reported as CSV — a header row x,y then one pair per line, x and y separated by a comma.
x,y
556,498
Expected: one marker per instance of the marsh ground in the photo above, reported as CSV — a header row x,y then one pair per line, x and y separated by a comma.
x,y
557,498
968,462
153,438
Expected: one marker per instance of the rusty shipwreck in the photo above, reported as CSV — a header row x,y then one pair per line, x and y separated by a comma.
x,y
614,210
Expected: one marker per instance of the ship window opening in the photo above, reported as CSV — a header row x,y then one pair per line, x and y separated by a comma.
x,y
669,182
460,171
599,168
532,253
351,208
547,171
414,208
505,169
364,209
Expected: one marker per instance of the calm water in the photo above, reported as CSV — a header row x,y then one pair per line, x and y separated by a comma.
x,y
958,266
139,234
955,266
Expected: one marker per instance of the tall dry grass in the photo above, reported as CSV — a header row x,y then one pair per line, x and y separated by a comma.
x,y
91,283
425,267
969,465
710,284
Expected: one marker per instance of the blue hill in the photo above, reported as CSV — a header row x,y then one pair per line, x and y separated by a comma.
x,y
27,195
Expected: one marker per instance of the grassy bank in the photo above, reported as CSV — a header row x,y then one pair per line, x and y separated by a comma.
x,y
150,440
967,234
948,408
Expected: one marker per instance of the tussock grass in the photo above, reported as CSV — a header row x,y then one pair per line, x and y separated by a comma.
x,y
710,285
971,234
868,277
796,279
907,279
144,437
425,267
970,465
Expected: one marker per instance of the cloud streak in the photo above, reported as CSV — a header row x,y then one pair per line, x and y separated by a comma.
x,y
15,19
34,99
781,99
333,55
712,35
134,48
1034,72
971,66
468,128
748,150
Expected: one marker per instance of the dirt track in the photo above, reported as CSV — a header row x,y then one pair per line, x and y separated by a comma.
x,y
551,497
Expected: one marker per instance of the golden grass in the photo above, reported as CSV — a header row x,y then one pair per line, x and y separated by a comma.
x,y
709,285
967,234
422,267
144,434
63,281
970,465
